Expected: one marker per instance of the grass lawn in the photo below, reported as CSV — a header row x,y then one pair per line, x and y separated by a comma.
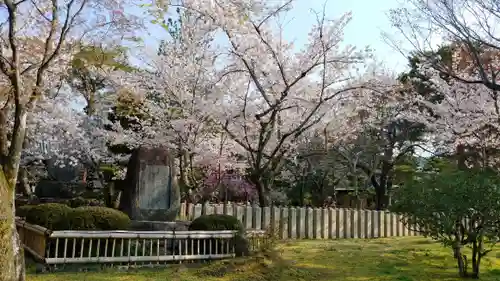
x,y
401,259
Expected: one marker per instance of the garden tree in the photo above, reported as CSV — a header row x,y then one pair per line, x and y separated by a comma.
x,y
314,171
384,142
89,68
465,121
467,26
196,89
424,87
88,75
177,94
37,46
273,95
183,103
455,207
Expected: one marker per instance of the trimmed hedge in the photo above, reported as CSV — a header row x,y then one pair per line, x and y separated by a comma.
x,y
81,220
216,222
50,215
106,218
81,201
56,216
223,222
22,211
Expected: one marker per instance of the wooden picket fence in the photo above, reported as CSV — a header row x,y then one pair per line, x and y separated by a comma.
x,y
307,222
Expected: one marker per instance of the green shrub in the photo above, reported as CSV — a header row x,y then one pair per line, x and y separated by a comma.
x,y
81,201
216,222
57,216
105,218
51,215
22,211
223,222
81,219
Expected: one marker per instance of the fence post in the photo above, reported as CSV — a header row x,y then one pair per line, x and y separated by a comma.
x,y
283,223
376,223
301,222
369,223
239,212
347,223
256,217
229,209
211,209
387,224
339,229
317,228
275,219
247,218
198,210
309,223
182,211
355,224
224,207
394,231
266,217
325,223
363,232
292,223
332,223
219,209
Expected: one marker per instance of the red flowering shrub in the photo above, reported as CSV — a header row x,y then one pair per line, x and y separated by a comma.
x,y
228,185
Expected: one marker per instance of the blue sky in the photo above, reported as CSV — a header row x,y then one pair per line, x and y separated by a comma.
x,y
369,19
368,22
365,29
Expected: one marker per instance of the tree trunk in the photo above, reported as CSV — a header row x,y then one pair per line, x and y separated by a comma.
x,y
183,169
113,196
262,196
461,261
24,182
381,196
476,258
11,253
261,191
4,139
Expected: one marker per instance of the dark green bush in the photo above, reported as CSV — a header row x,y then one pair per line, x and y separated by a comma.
x,y
223,222
81,201
57,216
22,211
216,222
106,218
80,219
51,215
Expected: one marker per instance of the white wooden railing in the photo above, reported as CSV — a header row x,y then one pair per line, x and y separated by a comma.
x,y
126,247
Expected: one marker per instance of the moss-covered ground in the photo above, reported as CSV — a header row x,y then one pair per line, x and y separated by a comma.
x,y
402,259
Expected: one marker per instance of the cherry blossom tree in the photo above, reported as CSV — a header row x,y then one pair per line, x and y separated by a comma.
x,y
175,90
250,100
38,41
466,117
466,77
272,95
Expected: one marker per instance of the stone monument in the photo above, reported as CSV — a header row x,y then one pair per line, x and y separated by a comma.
x,y
150,191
